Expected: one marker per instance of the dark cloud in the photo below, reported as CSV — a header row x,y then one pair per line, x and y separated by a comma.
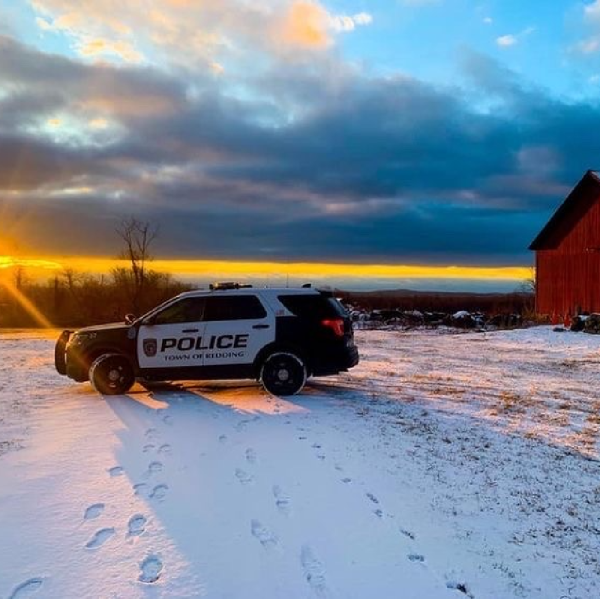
x,y
315,163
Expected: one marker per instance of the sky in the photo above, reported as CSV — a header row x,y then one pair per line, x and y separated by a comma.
x,y
440,133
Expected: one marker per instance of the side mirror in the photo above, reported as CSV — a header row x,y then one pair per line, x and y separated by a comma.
x,y
129,318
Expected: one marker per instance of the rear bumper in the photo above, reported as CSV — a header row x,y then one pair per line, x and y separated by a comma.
x,y
336,362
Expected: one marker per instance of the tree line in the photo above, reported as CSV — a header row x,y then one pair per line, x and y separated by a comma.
x,y
72,299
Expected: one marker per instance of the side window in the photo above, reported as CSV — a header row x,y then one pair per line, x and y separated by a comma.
x,y
233,307
312,306
189,309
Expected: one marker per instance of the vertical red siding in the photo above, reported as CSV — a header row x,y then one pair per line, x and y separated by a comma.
x,y
568,277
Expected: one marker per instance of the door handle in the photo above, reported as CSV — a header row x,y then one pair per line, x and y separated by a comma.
x,y
260,326
189,331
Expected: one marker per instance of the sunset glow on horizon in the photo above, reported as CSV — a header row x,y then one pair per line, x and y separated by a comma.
x,y
268,272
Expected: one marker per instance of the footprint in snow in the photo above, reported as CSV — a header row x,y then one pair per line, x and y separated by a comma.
x,y
282,500
251,456
243,476
346,480
267,539
93,511
100,537
168,419
151,434
313,571
148,447
242,425
25,589
407,533
115,471
338,468
164,449
159,492
459,586
151,569
154,467
416,557
222,438
372,498
136,525
138,488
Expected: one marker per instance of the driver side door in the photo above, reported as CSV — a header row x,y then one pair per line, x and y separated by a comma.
x,y
169,338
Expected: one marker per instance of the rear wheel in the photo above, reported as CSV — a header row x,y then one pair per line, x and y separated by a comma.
x,y
111,374
283,373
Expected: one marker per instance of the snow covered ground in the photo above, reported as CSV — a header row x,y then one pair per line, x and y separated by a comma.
x,y
444,465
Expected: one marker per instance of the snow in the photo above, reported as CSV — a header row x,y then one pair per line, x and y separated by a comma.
x,y
444,465
461,314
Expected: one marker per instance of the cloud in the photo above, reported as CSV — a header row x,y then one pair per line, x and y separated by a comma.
x,y
306,25
286,163
506,41
349,23
591,23
99,46
197,35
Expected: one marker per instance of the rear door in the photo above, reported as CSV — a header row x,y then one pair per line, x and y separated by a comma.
x,y
237,327
171,338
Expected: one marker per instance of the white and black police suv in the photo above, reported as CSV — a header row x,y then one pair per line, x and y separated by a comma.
x,y
276,336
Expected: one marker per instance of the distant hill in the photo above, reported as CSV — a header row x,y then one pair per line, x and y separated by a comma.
x,y
444,301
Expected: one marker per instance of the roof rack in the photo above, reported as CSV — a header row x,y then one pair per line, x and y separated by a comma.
x,y
228,285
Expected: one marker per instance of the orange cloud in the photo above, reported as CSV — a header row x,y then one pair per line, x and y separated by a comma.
x,y
102,46
307,25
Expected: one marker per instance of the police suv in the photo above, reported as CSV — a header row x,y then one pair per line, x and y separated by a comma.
x,y
233,331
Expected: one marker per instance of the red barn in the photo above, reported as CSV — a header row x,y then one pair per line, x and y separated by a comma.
x,y
568,253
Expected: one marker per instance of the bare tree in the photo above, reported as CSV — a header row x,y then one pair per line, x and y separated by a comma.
x,y
528,284
137,237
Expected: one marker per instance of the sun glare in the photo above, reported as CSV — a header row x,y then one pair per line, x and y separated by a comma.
x,y
25,303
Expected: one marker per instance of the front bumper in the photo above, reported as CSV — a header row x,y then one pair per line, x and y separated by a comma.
x,y
68,360
60,352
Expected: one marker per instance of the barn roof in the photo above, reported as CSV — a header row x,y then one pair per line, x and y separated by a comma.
x,y
569,213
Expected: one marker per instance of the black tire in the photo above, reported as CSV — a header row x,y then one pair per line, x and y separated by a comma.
x,y
283,373
111,374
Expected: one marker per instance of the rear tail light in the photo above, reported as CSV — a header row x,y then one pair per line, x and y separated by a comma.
x,y
336,325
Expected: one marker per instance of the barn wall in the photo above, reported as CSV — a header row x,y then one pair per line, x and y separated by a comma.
x,y
568,278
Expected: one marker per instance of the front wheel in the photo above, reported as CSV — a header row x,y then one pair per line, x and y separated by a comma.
x,y
283,373
111,374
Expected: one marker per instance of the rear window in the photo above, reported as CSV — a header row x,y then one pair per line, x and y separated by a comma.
x,y
233,307
313,306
